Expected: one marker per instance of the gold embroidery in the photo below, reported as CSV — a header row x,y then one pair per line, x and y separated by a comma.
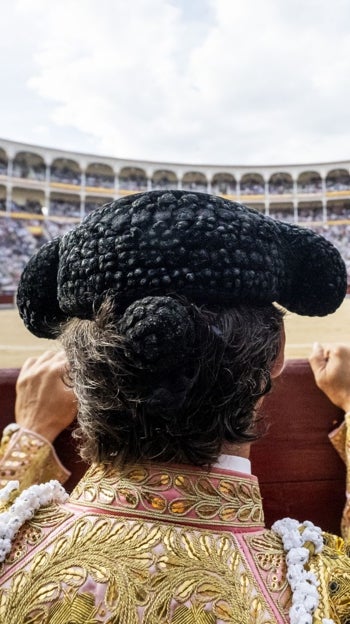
x,y
151,573
338,439
173,493
28,458
194,615
108,570
34,532
75,608
333,571
268,555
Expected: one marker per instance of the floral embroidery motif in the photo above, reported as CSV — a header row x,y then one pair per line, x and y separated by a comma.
x,y
74,608
194,615
270,563
174,494
151,573
93,561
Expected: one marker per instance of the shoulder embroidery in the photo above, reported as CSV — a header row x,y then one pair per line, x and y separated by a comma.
x,y
154,573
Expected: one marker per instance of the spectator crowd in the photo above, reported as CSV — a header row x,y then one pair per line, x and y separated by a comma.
x,y
134,179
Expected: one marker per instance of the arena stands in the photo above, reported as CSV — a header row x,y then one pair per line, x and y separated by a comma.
x,y
339,235
282,214
29,207
44,192
63,208
280,184
134,179
17,244
65,172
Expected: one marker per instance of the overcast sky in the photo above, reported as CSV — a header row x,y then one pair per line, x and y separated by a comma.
x,y
202,81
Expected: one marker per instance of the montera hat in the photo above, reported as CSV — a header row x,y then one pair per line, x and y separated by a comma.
x,y
163,243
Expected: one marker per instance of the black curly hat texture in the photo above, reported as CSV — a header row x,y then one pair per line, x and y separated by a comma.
x,y
157,331
159,244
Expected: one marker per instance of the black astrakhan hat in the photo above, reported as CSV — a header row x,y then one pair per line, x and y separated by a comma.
x,y
208,249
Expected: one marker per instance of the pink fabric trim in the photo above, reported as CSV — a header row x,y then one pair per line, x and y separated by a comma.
x,y
251,564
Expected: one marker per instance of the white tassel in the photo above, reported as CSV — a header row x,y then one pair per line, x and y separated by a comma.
x,y
305,596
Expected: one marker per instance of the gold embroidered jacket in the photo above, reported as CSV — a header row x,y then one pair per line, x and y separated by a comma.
x,y
158,544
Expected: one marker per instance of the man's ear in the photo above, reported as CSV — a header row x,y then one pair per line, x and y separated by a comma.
x,y
278,364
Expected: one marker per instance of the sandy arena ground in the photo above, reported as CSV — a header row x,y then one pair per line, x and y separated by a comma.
x,y
17,344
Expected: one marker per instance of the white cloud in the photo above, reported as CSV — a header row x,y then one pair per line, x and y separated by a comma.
x,y
211,81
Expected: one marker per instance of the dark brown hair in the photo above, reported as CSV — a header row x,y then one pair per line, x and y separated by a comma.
x,y
180,412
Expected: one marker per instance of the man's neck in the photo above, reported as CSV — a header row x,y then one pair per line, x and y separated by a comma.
x,y
238,450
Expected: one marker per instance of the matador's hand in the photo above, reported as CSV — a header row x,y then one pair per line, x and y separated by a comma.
x,y
44,403
331,367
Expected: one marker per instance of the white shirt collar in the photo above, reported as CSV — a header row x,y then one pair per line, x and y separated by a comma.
x,y
233,462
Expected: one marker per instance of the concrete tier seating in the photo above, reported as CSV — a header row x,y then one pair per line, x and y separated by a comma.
x,y
301,475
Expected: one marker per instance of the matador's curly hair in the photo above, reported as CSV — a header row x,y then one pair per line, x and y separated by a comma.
x,y
169,381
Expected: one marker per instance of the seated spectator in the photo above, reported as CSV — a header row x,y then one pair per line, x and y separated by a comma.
x,y
133,183
224,188
163,184
99,180
338,212
63,208
280,188
252,188
65,175
339,184
282,215
310,214
192,186
312,186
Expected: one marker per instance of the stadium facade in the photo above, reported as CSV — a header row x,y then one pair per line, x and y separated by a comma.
x,y
45,191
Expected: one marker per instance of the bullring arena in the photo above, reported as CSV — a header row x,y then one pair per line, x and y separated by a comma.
x,y
44,192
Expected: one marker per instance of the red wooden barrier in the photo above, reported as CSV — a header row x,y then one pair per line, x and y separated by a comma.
x,y
300,474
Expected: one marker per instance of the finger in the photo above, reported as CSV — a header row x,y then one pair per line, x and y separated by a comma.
x,y
37,361
60,358
340,351
47,357
318,358
28,363
50,362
